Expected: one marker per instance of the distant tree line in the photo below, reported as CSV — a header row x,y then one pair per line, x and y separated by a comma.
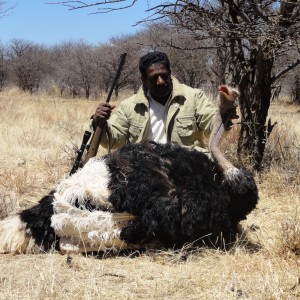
x,y
79,69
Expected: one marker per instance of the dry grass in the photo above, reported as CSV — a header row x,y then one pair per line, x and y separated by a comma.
x,y
39,135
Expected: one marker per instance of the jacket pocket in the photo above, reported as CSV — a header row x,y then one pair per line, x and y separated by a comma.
x,y
185,125
135,129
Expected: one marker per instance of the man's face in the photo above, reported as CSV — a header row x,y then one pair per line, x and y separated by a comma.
x,y
158,82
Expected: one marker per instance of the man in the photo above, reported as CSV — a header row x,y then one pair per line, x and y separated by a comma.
x,y
163,110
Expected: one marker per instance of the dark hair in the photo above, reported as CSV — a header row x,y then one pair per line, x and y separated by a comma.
x,y
152,58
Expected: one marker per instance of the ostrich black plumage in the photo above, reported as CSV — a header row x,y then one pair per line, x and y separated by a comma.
x,y
180,196
140,194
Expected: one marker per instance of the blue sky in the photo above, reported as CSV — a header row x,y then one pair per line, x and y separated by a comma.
x,y
36,21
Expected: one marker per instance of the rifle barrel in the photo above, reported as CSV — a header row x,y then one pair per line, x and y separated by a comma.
x,y
96,138
122,61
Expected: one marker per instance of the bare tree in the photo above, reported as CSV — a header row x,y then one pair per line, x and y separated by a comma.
x,y
296,90
84,67
75,68
254,33
3,67
4,12
108,61
61,56
29,63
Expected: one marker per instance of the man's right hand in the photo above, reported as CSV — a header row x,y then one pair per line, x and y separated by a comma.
x,y
103,112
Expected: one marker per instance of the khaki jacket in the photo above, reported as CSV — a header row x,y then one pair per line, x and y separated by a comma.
x,y
189,118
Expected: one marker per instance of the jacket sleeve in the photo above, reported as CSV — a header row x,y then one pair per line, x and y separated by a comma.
x,y
117,129
205,113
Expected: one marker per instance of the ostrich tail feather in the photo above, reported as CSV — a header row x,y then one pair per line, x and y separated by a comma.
x,y
13,236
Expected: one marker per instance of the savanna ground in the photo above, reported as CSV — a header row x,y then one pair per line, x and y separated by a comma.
x,y
38,138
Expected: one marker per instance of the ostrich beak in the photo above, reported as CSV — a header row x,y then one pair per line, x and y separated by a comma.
x,y
223,89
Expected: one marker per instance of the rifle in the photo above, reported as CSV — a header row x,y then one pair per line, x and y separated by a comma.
x,y
96,138
85,139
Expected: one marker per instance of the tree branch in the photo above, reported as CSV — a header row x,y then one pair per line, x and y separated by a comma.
x,y
73,5
286,69
4,12
236,8
296,13
260,12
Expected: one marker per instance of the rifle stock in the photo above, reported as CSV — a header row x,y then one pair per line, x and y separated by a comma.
x,y
95,141
97,135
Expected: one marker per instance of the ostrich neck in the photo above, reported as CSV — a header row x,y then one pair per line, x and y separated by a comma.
x,y
214,142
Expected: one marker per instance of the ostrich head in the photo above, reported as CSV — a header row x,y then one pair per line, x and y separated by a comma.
x,y
228,102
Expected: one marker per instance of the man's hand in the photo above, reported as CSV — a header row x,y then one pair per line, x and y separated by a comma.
x,y
102,113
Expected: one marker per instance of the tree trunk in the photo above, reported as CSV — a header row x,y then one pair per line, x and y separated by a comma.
x,y
255,88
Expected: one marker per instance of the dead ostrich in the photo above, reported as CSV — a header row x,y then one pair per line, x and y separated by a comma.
x,y
141,194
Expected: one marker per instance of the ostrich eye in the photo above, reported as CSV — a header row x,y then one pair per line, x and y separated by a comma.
x,y
235,94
